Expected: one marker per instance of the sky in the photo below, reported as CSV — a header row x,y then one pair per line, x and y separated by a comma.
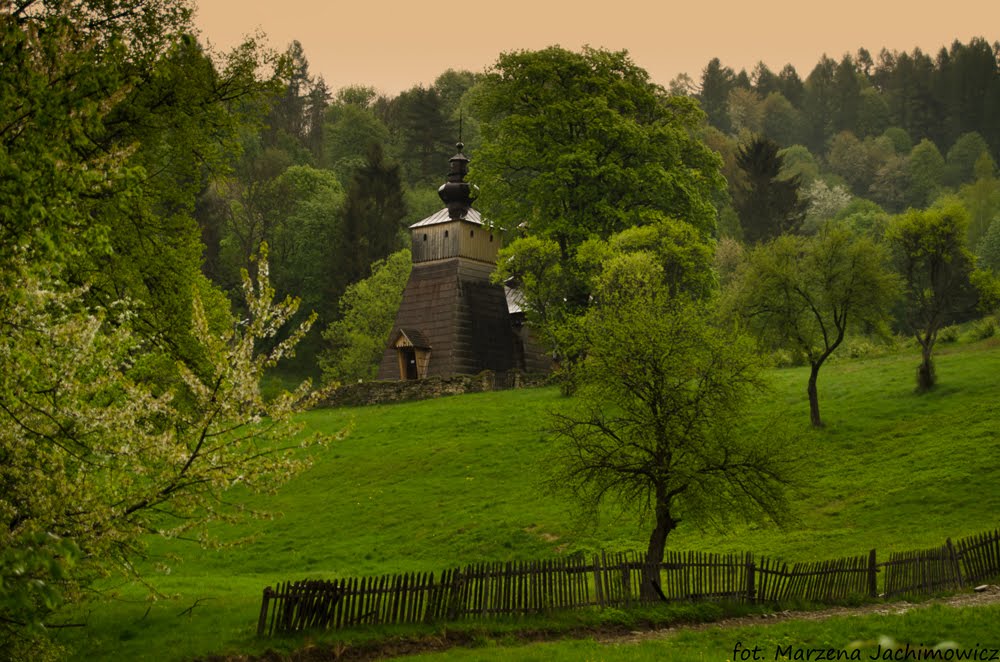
x,y
393,45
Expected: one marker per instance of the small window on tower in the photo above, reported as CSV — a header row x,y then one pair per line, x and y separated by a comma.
x,y
491,237
445,234
425,237
472,233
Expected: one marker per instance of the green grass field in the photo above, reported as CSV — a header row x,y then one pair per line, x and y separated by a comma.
x,y
430,485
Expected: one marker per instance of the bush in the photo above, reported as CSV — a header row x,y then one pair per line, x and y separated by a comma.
x,y
983,328
948,334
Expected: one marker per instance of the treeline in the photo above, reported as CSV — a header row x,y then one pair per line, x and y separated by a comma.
x,y
331,178
898,130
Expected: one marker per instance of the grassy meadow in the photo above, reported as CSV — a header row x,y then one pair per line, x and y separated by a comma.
x,y
434,484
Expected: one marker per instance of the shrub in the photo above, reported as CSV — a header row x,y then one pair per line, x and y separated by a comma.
x,y
984,328
948,334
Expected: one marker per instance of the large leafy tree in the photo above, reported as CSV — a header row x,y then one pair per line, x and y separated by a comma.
x,y
658,423
94,458
581,144
805,294
931,253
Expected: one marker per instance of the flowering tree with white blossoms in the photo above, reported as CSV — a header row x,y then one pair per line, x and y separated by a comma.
x,y
91,458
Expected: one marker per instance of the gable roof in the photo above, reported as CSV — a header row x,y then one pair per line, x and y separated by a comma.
x,y
410,338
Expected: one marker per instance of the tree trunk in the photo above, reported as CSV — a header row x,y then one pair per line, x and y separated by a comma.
x,y
925,372
814,396
657,545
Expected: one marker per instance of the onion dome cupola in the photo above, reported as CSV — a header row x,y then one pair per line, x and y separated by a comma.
x,y
457,194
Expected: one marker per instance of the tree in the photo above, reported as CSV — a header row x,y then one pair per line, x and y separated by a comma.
x,y
658,424
989,248
930,251
960,164
717,82
981,198
925,172
426,134
746,111
819,103
805,294
129,403
767,204
370,225
368,309
351,129
798,162
825,203
94,458
782,121
581,144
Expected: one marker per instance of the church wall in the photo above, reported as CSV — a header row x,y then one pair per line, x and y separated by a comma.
x,y
455,238
463,317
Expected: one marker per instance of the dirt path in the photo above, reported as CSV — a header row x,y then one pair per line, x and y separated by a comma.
x,y
990,595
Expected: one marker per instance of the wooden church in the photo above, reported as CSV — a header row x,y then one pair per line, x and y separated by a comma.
x,y
452,320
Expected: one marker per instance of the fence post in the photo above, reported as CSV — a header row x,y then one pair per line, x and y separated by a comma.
x,y
455,594
262,621
598,588
872,575
954,563
751,580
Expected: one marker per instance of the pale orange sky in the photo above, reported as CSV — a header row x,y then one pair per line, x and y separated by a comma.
x,y
393,44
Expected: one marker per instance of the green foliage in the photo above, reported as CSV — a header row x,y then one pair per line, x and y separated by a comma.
x,y
925,171
899,139
798,162
661,392
864,217
805,294
988,251
370,220
782,122
767,204
581,144
931,255
960,164
984,328
949,334
678,253
368,308
982,199
350,131
93,459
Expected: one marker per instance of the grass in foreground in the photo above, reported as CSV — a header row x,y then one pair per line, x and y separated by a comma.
x,y
430,485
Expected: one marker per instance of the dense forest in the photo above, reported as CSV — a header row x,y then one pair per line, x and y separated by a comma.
x,y
332,177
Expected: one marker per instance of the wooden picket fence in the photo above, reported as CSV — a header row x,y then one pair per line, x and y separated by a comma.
x,y
514,588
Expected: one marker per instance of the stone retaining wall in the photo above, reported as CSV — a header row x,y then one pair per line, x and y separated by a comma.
x,y
377,392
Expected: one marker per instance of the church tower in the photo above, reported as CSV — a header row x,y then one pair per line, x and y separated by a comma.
x,y
452,320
